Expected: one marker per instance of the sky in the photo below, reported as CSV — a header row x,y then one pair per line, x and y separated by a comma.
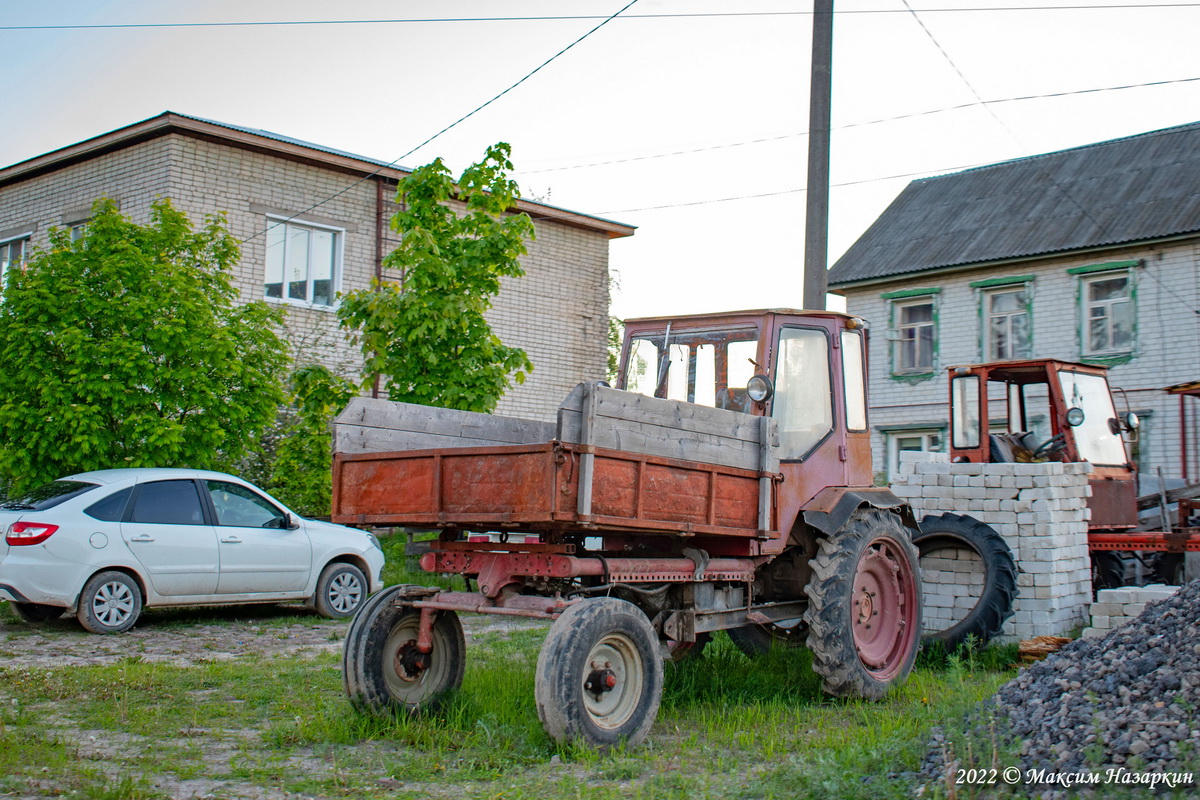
x,y
685,118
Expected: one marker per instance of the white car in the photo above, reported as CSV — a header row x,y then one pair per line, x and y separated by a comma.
x,y
107,544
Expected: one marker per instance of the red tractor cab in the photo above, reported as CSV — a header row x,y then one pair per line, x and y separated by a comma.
x,y
1048,410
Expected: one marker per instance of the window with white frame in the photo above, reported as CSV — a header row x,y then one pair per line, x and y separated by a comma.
x,y
12,255
303,263
913,327
1006,323
1107,310
910,441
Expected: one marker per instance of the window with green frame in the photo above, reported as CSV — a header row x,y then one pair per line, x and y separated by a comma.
x,y
1005,317
1107,306
913,333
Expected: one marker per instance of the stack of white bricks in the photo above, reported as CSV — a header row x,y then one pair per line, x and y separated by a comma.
x,y
1041,512
1114,607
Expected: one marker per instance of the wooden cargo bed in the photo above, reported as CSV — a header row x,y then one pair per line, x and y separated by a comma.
x,y
613,464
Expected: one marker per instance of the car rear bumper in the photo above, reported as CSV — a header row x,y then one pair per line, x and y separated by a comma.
x,y
34,578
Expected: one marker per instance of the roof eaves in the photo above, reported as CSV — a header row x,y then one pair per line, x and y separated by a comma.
x,y
892,277
257,139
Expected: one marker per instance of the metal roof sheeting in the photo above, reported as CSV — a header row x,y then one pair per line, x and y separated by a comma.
x,y
1121,191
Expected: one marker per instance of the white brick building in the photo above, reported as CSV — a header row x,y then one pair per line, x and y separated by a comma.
x,y
558,312
1090,254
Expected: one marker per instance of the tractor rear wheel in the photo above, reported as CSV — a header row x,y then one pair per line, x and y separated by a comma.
x,y
864,606
1108,571
993,600
599,674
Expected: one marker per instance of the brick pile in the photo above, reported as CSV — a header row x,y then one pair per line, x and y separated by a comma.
x,y
1041,512
1114,607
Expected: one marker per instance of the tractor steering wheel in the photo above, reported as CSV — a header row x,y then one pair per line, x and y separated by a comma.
x,y
1050,446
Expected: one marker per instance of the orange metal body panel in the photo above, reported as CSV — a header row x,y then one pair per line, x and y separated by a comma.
x,y
534,488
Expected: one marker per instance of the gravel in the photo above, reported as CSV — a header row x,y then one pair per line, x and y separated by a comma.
x,y
1127,702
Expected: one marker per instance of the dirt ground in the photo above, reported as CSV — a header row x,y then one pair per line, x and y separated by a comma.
x,y
189,637
185,637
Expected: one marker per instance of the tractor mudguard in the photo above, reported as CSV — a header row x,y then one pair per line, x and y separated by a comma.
x,y
832,507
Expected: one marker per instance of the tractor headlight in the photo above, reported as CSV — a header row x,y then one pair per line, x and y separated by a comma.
x,y
759,388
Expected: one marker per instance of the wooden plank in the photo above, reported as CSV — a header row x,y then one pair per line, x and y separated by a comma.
x,y
669,428
373,425
587,460
359,439
1189,492
674,414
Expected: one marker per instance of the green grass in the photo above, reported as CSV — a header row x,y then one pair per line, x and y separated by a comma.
x,y
729,727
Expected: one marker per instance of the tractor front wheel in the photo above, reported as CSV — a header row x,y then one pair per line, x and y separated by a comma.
x,y
864,606
599,674
385,672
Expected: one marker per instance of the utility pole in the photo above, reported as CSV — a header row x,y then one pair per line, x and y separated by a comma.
x,y
816,225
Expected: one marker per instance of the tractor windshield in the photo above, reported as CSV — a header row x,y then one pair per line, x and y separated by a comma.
x,y
1098,441
709,367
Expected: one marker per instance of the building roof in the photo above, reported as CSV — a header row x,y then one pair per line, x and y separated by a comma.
x,y
170,122
1136,189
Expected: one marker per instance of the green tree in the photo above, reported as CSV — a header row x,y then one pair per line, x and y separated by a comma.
x,y
124,348
301,474
428,338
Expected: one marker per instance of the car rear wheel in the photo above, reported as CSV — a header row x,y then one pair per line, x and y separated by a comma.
x,y
110,602
341,590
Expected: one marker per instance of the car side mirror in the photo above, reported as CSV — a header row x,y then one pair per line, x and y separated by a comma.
x,y
291,522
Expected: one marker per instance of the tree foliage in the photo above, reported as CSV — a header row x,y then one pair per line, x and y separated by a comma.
x,y
429,338
301,474
124,348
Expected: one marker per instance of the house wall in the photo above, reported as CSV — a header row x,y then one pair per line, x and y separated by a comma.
x,y
557,313
1167,339
133,177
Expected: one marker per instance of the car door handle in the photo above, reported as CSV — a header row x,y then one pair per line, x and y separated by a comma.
x,y
145,537
231,540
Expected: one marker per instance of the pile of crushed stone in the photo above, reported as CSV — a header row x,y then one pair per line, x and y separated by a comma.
x,y
1124,704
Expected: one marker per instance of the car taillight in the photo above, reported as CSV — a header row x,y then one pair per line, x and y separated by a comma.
x,y
20,533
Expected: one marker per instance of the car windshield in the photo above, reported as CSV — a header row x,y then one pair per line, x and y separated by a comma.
x,y
48,495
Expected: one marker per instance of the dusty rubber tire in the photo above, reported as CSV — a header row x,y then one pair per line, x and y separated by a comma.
x,y
380,636
341,590
110,602
864,606
596,641
1108,571
995,602
353,647
35,613
757,640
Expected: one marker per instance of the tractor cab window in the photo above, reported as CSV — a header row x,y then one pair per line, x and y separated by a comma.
x,y
1098,436
966,424
803,402
710,368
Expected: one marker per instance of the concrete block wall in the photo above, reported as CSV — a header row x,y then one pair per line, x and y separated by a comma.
x,y
1039,510
1114,607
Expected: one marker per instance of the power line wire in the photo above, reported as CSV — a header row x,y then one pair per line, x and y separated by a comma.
x,y
851,125
801,190
585,17
1044,173
457,122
